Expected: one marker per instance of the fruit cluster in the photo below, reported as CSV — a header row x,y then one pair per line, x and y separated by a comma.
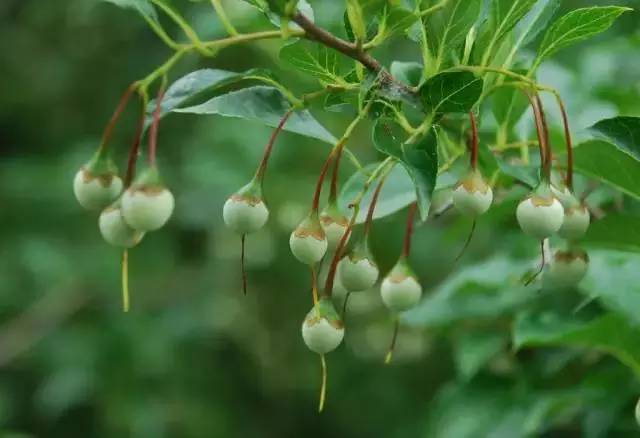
x,y
132,207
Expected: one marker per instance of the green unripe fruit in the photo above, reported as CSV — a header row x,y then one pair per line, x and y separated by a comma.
x,y
245,211
576,215
322,329
540,215
637,412
472,196
400,289
115,230
334,224
147,205
358,271
576,222
308,242
97,184
567,269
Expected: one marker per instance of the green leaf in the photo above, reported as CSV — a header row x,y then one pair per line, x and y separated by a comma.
x,y
262,104
409,73
314,59
577,26
615,231
398,20
197,85
623,132
605,162
420,159
505,15
529,175
448,29
497,408
451,92
509,105
535,22
610,333
273,9
474,349
397,193
484,291
144,7
613,280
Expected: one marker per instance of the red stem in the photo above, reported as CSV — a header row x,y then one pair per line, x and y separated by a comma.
x,y
328,287
374,201
540,132
547,142
474,141
333,194
267,150
336,151
135,148
569,141
153,133
407,237
108,130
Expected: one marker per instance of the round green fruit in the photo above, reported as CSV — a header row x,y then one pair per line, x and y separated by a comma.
x,y
567,268
308,241
115,230
322,329
400,289
147,205
245,211
472,196
540,216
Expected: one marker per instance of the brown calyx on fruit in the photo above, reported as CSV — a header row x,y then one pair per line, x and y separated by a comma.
x,y
397,278
542,201
148,190
571,255
579,208
251,200
104,180
328,220
474,183
336,323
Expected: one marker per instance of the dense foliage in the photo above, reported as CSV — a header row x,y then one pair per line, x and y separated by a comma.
x,y
416,96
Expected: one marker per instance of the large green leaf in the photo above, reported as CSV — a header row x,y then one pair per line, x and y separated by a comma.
x,y
397,193
262,104
624,132
198,84
613,279
451,92
484,291
315,59
420,159
398,19
535,22
448,29
144,7
610,333
504,16
605,162
616,231
577,26
506,408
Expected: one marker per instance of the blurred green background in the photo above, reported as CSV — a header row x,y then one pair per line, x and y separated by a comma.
x,y
195,358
